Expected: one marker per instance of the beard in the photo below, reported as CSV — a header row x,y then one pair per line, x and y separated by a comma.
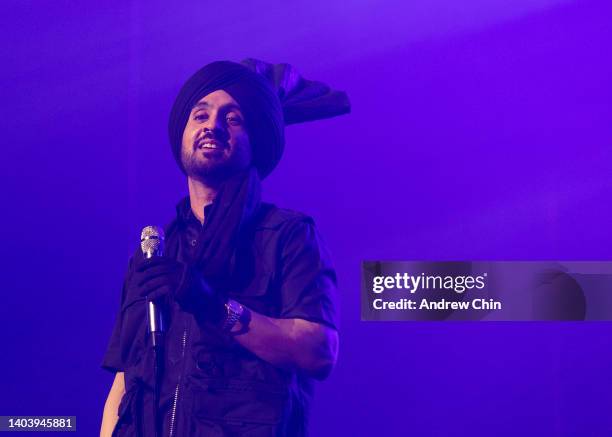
x,y
208,170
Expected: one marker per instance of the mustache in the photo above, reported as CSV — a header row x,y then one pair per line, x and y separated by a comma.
x,y
206,143
210,137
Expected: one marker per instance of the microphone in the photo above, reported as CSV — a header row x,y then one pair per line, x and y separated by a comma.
x,y
152,244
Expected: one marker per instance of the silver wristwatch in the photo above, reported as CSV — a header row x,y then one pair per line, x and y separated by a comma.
x,y
234,312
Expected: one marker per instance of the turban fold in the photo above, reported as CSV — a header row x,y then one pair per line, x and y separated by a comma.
x,y
269,96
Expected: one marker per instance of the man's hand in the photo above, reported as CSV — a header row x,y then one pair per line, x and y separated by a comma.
x,y
162,277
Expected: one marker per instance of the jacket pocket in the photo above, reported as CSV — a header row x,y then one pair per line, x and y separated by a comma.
x,y
256,294
237,402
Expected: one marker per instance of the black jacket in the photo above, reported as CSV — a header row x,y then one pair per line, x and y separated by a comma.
x,y
212,386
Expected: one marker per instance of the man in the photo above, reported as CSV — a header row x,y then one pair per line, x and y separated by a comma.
x,y
247,289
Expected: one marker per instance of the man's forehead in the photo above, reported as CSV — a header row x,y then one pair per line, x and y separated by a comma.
x,y
217,99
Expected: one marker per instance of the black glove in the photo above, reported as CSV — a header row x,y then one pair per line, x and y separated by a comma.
x,y
161,277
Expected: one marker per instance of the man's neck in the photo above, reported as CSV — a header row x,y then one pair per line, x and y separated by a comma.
x,y
200,195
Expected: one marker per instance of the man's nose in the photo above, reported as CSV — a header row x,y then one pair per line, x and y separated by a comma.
x,y
214,123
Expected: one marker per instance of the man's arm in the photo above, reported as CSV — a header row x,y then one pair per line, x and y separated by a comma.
x,y
110,416
291,343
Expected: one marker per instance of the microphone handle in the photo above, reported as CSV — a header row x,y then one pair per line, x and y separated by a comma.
x,y
156,323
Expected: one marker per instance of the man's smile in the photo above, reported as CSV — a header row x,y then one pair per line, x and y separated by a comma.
x,y
208,143
210,146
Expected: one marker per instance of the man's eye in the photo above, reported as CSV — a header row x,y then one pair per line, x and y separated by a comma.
x,y
234,120
200,116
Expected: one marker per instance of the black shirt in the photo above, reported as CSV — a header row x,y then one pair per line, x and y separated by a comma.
x,y
282,270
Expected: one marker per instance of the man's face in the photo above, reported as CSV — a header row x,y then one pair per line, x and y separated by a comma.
x,y
215,141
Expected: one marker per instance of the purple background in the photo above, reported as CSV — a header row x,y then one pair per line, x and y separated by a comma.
x,y
480,130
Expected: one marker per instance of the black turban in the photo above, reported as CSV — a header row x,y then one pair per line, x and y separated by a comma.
x,y
269,96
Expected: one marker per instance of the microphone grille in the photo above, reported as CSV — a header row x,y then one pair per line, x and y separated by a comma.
x,y
152,240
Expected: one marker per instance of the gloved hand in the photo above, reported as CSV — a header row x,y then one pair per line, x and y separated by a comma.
x,y
163,277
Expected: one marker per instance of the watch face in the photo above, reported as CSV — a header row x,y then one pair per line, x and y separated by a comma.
x,y
234,306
